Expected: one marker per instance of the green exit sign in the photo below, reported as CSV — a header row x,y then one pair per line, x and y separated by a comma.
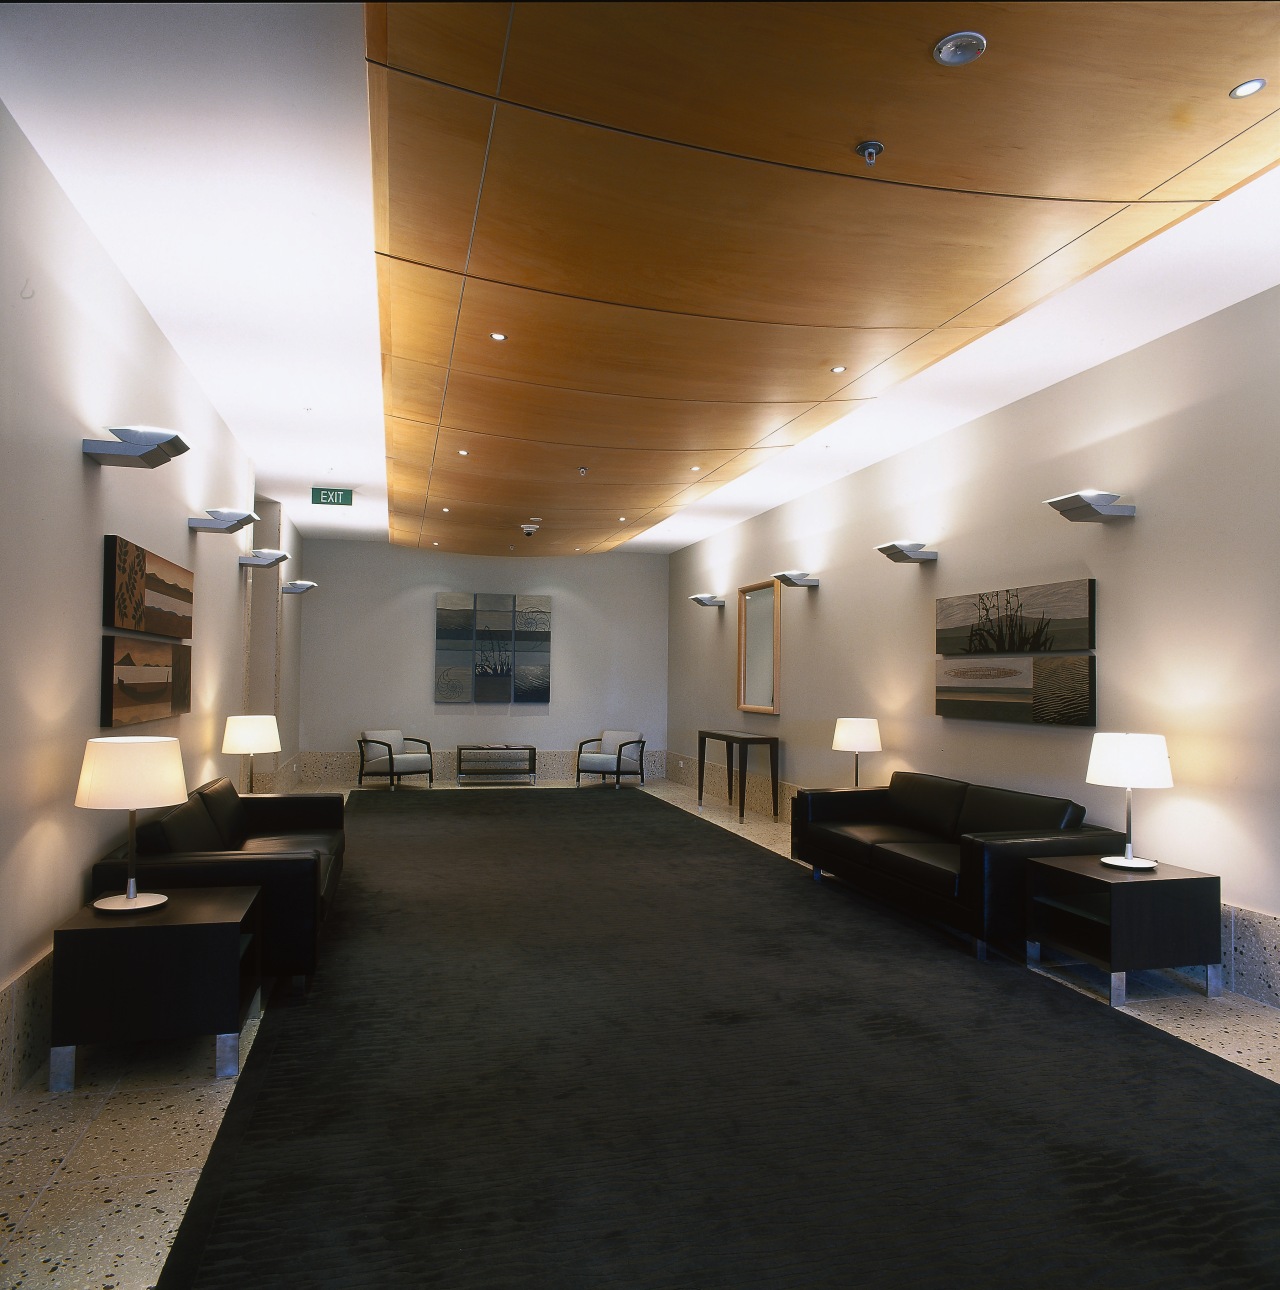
x,y
331,496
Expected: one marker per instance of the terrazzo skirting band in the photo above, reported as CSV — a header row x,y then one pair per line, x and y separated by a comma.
x,y
582,1039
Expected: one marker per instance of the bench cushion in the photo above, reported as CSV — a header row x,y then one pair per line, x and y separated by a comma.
x,y
185,828
868,835
409,763
932,866
990,810
607,763
929,803
226,811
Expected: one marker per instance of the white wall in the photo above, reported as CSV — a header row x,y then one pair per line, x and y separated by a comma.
x,y
368,646
1188,610
78,352
275,645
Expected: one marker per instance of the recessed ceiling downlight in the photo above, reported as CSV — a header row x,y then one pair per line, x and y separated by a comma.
x,y
497,335
959,48
1249,88
837,370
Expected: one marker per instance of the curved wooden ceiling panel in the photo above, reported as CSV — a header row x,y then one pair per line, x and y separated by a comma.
x,y
645,224
521,410
1071,100
659,206
613,349
494,457
434,142
458,43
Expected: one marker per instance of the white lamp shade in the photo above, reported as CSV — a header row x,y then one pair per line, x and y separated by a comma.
x,y
131,772
856,734
251,735
1129,761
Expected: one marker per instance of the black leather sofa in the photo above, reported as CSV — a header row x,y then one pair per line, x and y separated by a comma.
x,y
942,848
290,845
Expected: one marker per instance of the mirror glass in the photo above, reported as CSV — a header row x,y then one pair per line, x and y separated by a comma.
x,y
759,647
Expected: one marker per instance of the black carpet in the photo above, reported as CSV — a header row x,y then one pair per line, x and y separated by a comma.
x,y
580,1038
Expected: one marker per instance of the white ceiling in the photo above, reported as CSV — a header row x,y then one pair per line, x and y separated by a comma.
x,y
220,152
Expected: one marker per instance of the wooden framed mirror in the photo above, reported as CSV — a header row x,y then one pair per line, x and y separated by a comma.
x,y
759,646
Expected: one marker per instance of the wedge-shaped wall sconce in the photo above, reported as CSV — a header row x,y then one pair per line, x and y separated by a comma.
x,y
1090,506
222,521
264,558
795,578
142,447
907,552
298,588
708,600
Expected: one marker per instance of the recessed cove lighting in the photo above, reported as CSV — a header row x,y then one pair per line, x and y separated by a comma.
x,y
837,370
959,48
1249,88
497,335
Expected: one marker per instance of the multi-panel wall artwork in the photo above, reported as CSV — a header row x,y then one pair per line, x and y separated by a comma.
x,y
1018,655
144,680
492,648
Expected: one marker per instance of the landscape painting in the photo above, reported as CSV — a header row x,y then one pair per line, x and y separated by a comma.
x,y
1054,617
143,592
1032,689
143,680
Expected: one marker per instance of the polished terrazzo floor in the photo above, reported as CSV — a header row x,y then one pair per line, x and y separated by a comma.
x,y
93,1184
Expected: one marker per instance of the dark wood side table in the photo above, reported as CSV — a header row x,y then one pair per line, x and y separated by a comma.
x,y
1124,920
191,966
741,740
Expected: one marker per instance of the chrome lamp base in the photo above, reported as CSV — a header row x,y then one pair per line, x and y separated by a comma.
x,y
123,904
1127,862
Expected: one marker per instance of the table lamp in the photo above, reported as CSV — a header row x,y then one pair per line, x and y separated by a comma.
x,y
251,735
856,735
129,773
1129,762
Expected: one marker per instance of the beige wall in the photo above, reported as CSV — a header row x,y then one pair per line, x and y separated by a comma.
x,y
368,646
1188,610
78,352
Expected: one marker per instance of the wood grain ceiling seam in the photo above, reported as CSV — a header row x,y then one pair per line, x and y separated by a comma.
x,y
471,239
667,313
728,154
669,398
1191,165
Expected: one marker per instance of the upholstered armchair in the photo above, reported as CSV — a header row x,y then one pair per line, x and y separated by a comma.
x,y
383,753
621,752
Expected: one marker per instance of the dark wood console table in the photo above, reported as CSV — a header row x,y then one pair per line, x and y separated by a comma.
x,y
188,967
741,740
1124,920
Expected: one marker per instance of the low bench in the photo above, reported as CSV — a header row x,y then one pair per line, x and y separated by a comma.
x,y
505,760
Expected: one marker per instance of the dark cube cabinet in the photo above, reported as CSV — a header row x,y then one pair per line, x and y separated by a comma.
x,y
1125,920
189,967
